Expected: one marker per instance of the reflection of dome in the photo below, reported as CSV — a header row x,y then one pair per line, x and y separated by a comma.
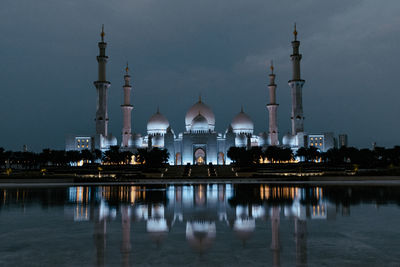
x,y
157,124
200,234
156,225
157,229
204,110
242,123
199,124
244,227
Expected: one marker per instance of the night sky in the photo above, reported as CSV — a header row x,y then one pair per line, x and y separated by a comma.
x,y
179,48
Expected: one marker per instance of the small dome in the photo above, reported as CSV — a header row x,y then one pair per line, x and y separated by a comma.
x,y
242,123
199,124
288,140
136,140
111,141
157,124
202,108
263,139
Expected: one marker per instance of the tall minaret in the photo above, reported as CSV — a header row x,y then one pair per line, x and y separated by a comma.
x,y
296,83
127,110
272,109
102,85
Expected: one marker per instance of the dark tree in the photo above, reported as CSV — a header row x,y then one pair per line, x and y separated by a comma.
x,y
308,153
153,158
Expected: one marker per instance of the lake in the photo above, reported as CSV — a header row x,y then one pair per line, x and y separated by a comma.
x,y
200,224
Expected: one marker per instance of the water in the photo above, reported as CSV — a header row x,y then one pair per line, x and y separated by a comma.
x,y
198,225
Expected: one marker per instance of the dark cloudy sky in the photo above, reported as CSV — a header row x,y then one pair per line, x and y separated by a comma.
x,y
180,48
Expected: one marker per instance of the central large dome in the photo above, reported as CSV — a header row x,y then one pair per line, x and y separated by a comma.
x,y
204,110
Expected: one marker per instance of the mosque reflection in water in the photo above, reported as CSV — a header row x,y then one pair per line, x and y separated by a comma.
x,y
199,209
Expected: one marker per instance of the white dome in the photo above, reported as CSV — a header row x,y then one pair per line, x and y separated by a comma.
x,y
136,140
199,124
204,110
263,139
242,123
157,124
288,140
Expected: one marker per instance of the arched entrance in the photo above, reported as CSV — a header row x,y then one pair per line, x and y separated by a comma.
x,y
221,158
200,156
178,159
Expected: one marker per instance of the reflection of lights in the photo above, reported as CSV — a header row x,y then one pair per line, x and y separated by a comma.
x,y
319,211
81,213
133,194
79,194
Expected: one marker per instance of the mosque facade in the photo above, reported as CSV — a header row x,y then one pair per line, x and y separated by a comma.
x,y
200,143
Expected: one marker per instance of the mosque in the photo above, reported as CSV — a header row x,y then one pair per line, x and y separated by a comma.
x,y
199,143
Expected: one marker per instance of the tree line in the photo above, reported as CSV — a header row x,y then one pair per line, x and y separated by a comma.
x,y
366,158
29,160
156,157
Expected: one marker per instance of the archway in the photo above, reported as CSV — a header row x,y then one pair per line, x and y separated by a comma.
x,y
200,156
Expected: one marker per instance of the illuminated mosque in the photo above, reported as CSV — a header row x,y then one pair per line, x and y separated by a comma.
x,y
199,143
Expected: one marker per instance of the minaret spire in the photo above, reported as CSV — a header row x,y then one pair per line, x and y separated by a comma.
x,y
296,85
102,86
272,110
102,34
127,110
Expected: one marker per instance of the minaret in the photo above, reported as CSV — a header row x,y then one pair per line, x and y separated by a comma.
x,y
296,83
127,110
272,109
102,85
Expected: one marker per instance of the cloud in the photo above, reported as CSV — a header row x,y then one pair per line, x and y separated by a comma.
x,y
179,48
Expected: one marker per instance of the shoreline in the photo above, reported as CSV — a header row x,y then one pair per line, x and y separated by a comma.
x,y
315,180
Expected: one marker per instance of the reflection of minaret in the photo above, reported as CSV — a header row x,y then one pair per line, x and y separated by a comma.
x,y
127,110
275,242
272,110
296,83
300,233
126,232
102,85
100,227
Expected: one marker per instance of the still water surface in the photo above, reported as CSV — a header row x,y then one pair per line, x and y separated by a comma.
x,y
199,225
